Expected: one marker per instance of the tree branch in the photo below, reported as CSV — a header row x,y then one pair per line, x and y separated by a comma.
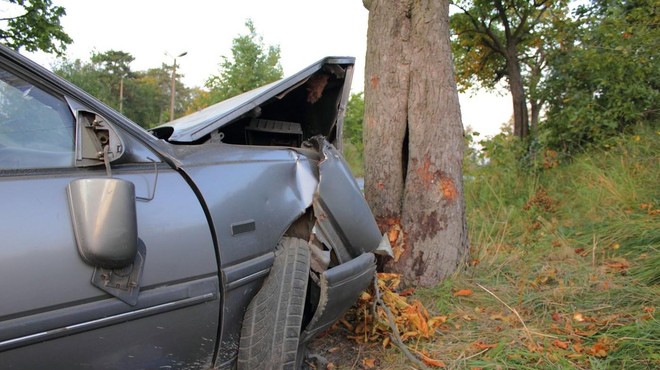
x,y
501,12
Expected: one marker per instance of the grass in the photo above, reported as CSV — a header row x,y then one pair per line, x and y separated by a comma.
x,y
564,267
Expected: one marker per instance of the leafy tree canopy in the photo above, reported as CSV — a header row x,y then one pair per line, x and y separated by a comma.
x,y
608,78
486,31
37,28
353,121
145,95
252,65
494,39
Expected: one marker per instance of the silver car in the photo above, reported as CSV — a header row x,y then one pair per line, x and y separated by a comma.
x,y
225,239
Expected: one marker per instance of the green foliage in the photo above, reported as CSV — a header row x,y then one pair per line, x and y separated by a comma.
x,y
252,65
352,140
38,28
146,94
608,79
494,39
483,30
81,74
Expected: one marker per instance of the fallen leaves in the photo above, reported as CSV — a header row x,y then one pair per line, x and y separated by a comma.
x,y
463,293
396,236
559,344
648,207
600,349
369,363
481,345
424,356
617,265
411,319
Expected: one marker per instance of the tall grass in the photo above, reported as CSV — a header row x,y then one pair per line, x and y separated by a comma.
x,y
572,248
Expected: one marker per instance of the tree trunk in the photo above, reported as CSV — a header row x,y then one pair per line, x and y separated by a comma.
x,y
535,110
520,117
413,138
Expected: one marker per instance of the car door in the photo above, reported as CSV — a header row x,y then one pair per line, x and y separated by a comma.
x,y
61,309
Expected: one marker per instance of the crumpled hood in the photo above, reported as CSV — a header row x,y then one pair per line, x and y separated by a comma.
x,y
330,77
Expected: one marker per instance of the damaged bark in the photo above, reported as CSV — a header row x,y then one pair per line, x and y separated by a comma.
x,y
414,138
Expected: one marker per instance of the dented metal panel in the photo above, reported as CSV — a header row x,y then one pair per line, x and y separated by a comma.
x,y
344,220
340,288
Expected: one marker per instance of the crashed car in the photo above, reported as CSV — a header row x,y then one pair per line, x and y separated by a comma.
x,y
225,239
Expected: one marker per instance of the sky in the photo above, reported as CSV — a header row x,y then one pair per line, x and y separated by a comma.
x,y
153,31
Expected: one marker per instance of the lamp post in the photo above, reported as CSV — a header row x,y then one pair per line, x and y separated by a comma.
x,y
121,93
172,87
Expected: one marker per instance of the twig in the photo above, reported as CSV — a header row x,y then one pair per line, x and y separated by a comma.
x,y
597,308
475,355
638,339
396,338
593,252
544,335
462,359
357,358
527,331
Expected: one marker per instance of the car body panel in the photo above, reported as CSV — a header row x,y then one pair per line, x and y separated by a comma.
x,y
117,347
51,292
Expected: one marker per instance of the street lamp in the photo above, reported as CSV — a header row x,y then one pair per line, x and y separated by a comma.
x,y
121,93
172,88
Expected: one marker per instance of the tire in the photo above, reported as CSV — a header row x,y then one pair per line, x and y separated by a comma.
x,y
272,323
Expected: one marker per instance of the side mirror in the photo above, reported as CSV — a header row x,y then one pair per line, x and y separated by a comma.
x,y
104,221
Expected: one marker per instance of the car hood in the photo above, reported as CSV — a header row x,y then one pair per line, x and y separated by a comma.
x,y
315,97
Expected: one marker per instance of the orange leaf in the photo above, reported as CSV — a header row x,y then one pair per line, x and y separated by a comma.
x,y
463,293
559,344
346,324
436,321
393,235
369,363
599,349
407,292
429,361
409,334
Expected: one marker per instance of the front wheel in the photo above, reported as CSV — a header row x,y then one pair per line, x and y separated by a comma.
x,y
272,323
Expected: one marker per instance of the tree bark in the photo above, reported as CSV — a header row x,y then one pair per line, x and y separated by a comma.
x,y
520,115
413,138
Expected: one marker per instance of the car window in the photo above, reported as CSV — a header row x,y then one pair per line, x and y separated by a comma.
x,y
36,127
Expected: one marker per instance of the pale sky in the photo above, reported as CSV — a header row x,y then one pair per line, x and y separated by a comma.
x,y
306,31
